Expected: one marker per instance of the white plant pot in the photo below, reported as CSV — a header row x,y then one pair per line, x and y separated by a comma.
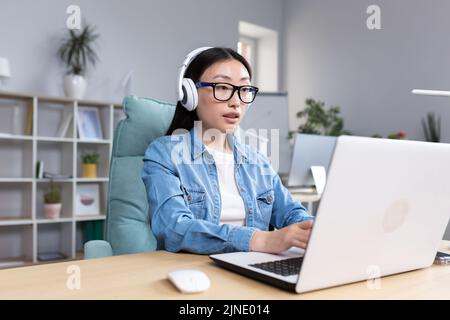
x,y
52,210
74,86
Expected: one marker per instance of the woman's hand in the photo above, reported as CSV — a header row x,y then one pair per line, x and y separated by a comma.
x,y
294,235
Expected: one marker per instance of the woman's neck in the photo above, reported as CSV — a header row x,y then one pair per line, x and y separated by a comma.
x,y
217,142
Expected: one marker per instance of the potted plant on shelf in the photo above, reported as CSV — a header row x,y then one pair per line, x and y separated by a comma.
x,y
52,202
90,161
76,52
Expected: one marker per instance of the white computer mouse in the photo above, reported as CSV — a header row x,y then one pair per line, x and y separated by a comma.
x,y
189,281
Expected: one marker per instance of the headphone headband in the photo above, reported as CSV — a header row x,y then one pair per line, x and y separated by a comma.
x,y
190,56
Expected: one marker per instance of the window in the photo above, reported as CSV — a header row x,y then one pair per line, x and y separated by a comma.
x,y
259,45
247,47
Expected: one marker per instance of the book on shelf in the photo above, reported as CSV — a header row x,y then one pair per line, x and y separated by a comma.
x,y
39,169
64,125
13,125
50,175
50,256
29,120
93,230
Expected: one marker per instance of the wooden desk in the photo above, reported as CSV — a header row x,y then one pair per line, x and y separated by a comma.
x,y
143,276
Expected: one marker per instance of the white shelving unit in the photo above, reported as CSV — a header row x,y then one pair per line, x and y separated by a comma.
x,y
28,128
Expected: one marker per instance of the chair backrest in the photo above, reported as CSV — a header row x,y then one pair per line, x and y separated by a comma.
x,y
128,227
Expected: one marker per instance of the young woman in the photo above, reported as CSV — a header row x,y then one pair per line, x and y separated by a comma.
x,y
207,192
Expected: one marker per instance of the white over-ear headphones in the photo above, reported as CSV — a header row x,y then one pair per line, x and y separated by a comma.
x,y
186,89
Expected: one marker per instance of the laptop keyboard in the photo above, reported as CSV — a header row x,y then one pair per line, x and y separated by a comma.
x,y
285,267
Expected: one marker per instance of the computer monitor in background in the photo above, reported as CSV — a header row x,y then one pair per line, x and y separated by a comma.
x,y
309,150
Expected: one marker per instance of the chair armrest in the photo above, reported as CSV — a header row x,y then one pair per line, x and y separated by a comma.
x,y
97,249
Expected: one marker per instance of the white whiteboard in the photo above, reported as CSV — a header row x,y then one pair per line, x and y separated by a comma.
x,y
270,111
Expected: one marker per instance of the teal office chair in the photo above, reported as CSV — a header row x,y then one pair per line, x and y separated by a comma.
x,y
127,228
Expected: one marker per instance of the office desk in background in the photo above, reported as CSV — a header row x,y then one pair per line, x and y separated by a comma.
x,y
143,276
306,196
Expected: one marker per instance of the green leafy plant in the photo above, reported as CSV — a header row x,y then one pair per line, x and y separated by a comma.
x,y
394,135
318,120
76,50
91,158
397,135
53,195
432,127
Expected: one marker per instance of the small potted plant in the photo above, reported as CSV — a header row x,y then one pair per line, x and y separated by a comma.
x,y
76,52
90,161
52,202
397,135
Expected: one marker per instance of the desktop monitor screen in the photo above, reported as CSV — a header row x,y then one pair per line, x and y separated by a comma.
x,y
309,150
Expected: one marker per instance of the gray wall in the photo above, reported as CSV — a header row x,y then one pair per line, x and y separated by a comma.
x,y
331,55
151,37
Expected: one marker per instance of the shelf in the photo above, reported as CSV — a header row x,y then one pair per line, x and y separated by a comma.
x,y
16,243
90,218
57,157
53,99
55,139
16,158
16,118
15,180
104,152
30,132
15,137
66,200
59,220
86,231
104,117
94,141
87,180
15,221
15,95
51,114
46,180
15,262
16,201
55,237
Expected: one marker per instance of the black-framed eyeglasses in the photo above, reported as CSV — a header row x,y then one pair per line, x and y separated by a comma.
x,y
223,91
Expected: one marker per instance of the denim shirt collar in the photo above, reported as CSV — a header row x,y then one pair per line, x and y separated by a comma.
x,y
198,147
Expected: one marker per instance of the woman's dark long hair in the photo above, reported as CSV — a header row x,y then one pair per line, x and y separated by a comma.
x,y
184,119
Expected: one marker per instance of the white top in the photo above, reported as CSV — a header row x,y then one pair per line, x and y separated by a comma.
x,y
233,210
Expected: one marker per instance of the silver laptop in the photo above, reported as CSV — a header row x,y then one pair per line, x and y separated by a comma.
x,y
309,150
384,211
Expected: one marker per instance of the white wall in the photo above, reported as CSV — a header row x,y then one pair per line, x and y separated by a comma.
x,y
149,36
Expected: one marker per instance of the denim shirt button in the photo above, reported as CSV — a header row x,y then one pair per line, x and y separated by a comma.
x,y
189,197
269,199
250,210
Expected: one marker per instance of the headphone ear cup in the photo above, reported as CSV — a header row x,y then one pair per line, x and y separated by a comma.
x,y
190,97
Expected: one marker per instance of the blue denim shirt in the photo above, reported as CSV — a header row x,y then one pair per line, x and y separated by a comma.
x,y
184,197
